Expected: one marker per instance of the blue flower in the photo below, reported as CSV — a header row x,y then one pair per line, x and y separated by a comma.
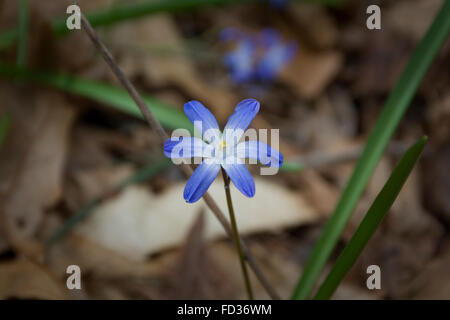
x,y
278,3
277,54
240,61
256,58
221,150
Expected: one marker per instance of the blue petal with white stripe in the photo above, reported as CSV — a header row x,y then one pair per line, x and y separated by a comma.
x,y
240,61
261,151
184,147
200,181
239,121
276,57
241,178
203,120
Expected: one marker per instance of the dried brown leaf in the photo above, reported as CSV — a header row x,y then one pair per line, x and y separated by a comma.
x,y
137,223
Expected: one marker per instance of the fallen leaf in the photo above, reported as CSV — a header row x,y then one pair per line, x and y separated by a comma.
x,y
433,282
138,223
398,18
315,23
438,120
25,280
93,258
310,72
33,159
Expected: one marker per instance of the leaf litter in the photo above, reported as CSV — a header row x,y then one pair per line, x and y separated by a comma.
x,y
62,151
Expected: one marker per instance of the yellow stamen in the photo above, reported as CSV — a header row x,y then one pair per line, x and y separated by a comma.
x,y
222,144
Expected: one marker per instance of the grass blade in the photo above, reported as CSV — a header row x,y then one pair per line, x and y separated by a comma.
x,y
118,98
371,221
385,126
22,33
8,38
294,166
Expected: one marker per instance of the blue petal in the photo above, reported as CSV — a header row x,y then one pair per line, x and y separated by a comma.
x,y
229,34
261,151
203,119
241,178
200,181
276,57
240,61
239,121
184,147
278,4
270,37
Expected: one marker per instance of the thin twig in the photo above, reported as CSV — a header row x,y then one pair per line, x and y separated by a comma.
x,y
148,116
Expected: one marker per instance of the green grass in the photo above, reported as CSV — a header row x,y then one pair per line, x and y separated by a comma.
x,y
371,221
385,126
115,97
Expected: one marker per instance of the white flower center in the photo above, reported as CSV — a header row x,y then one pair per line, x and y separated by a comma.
x,y
224,152
222,144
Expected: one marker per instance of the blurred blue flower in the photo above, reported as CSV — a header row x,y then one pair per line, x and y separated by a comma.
x,y
256,58
278,3
221,150
240,61
276,55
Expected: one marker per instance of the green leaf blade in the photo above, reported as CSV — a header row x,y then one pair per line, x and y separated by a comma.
x,y
385,126
371,221
118,98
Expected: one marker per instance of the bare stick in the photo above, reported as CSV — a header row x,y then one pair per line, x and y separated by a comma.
x,y
154,124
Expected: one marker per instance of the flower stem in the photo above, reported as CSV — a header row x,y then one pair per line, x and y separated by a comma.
x,y
236,237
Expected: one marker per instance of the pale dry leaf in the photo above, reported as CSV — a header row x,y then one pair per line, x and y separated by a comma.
x,y
411,18
347,291
25,280
138,223
33,158
310,72
93,258
437,181
433,282
42,131
93,182
438,119
315,23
